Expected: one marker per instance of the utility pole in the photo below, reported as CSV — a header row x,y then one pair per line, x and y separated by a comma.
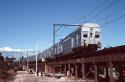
x,y
37,46
27,61
36,61
19,59
54,32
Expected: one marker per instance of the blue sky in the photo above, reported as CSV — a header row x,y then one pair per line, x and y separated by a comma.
x,y
24,23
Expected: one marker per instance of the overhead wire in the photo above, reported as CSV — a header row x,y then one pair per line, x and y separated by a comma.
x,y
115,16
90,12
58,29
110,4
104,9
114,19
110,15
98,6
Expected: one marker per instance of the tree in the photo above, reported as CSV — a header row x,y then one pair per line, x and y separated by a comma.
x,y
1,58
10,61
22,59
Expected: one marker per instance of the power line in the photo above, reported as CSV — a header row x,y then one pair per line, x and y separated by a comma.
x,y
87,13
58,29
105,8
100,12
90,12
110,15
115,19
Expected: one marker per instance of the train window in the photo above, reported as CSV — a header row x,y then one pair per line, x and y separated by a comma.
x,y
85,34
97,34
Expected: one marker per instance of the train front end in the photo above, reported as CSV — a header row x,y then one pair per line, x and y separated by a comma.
x,y
91,35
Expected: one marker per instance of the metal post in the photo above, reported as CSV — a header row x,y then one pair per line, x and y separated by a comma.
x,y
36,46
95,73
54,39
69,68
53,34
36,61
19,59
65,68
83,70
76,70
27,61
111,71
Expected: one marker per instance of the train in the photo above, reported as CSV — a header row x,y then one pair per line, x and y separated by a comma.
x,y
86,35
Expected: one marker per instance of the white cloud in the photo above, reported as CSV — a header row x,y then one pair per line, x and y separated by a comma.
x,y
9,49
16,52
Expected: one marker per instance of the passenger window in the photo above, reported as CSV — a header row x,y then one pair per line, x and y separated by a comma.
x,y
85,34
97,34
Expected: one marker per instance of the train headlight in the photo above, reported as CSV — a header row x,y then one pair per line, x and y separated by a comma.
x,y
99,45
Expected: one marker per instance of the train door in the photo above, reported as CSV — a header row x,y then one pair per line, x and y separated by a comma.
x,y
91,36
84,38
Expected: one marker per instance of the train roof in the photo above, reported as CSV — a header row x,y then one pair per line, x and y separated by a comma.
x,y
91,25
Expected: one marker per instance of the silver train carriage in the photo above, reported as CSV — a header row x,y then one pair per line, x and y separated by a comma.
x,y
87,34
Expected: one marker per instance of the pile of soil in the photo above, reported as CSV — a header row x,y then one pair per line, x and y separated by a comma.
x,y
11,72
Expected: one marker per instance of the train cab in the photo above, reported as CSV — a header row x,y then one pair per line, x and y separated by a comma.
x,y
90,34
